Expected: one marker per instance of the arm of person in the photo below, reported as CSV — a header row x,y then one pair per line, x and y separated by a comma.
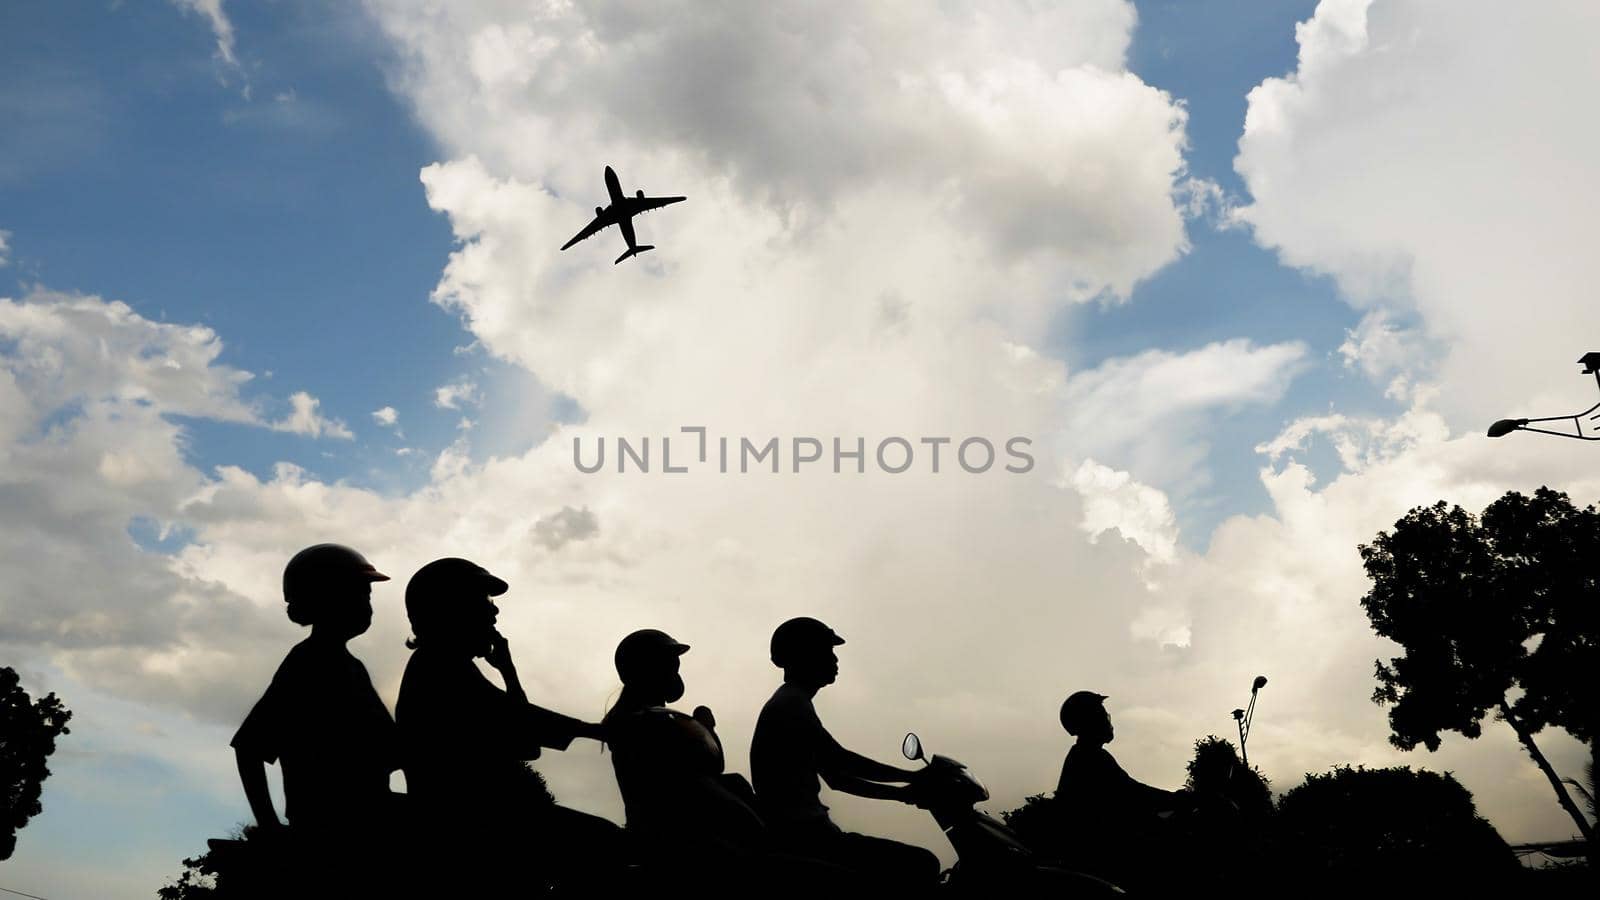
x,y
852,773
861,787
536,726
1150,797
253,775
836,761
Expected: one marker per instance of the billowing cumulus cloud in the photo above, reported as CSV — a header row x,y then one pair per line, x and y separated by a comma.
x,y
1434,185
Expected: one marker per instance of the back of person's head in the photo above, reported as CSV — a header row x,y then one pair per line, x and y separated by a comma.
x,y
441,590
802,641
1082,711
323,573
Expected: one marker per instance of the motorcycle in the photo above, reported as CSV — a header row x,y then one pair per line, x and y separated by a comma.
x,y
991,857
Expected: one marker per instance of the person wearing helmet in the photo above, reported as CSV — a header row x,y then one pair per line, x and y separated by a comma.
x,y
1106,816
682,807
320,718
791,751
466,742
669,765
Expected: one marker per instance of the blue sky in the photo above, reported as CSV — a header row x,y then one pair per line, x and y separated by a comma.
x,y
300,202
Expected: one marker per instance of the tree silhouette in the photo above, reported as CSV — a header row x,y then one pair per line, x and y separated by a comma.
x,y
1388,828
1485,605
28,733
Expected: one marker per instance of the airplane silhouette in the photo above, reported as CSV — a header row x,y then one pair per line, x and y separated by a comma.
x,y
620,213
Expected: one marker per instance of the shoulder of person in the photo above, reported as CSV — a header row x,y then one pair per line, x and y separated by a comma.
x,y
305,662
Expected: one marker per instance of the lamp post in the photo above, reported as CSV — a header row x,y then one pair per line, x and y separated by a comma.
x,y
1244,716
1591,366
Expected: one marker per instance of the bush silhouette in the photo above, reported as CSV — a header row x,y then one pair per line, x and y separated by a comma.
x,y
1388,828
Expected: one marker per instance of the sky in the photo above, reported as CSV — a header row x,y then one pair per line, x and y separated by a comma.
x,y
1251,279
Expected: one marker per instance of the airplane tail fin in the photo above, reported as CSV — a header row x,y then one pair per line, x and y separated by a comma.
x,y
635,251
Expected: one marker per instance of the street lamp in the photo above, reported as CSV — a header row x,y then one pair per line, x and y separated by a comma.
x,y
1591,366
1244,717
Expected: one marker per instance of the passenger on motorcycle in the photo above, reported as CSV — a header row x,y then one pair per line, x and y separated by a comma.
x,y
321,720
466,743
683,810
669,764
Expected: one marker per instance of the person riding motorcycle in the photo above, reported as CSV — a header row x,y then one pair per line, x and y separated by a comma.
x,y
790,751
683,809
1106,817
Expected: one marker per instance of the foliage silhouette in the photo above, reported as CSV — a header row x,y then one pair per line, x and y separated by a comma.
x,y
1485,605
1382,829
250,863
1217,770
28,732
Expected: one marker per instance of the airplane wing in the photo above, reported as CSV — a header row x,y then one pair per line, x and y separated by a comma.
x,y
599,224
642,204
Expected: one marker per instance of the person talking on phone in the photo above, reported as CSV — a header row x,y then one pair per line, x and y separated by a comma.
x,y
466,743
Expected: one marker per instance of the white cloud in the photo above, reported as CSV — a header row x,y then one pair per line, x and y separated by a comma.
x,y
386,416
306,420
1150,412
1024,133
1451,193
5,248
1113,500
457,394
75,349
221,26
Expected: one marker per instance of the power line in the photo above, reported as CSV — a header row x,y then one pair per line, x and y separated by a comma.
x,y
22,894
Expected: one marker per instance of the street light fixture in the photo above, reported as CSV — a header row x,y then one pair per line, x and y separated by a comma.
x,y
1591,366
1245,716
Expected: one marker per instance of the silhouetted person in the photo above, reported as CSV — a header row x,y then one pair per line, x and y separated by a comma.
x,y
669,764
685,812
467,743
320,718
1107,817
791,750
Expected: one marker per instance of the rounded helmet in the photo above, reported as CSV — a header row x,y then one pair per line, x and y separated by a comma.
x,y
639,650
796,638
311,569
1080,709
437,583
315,571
